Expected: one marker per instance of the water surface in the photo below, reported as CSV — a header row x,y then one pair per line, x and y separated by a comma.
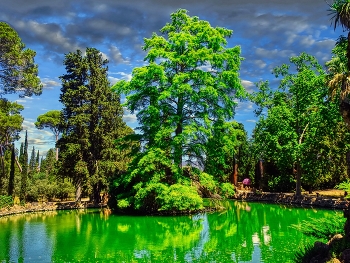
x,y
245,232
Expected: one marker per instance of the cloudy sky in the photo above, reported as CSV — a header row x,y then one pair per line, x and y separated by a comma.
x,y
269,33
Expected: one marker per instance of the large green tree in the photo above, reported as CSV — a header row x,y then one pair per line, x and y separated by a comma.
x,y
300,124
18,72
92,121
190,81
52,121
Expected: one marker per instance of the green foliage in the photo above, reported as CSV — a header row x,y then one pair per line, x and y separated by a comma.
x,y
302,134
207,183
344,186
6,201
42,188
306,253
51,120
18,72
24,175
227,190
323,228
222,150
190,83
123,203
178,197
92,121
280,183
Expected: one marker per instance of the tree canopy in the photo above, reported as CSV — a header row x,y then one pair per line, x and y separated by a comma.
x,y
18,72
190,82
91,121
52,121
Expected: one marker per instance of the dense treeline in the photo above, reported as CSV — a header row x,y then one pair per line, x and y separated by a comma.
x,y
187,145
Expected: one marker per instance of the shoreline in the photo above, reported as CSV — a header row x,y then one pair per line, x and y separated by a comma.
x,y
47,206
265,197
290,199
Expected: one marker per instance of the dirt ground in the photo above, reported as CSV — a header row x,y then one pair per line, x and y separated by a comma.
x,y
335,193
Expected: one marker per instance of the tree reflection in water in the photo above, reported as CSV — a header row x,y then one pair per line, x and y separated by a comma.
x,y
245,232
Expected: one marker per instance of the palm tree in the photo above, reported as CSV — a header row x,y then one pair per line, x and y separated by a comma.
x,y
339,78
339,65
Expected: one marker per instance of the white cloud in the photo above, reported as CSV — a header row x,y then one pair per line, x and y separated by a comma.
x,y
123,76
249,85
49,83
116,56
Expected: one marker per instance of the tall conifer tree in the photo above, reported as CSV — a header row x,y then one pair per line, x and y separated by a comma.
x,y
93,120
24,170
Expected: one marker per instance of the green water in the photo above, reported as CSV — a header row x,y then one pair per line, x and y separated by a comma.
x,y
245,232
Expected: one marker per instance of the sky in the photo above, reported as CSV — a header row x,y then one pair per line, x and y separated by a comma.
x,y
268,32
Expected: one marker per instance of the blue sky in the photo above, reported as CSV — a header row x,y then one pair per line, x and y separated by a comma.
x,y
269,33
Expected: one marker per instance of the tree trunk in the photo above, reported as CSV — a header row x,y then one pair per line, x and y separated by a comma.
x,y
12,172
298,180
96,194
2,166
78,191
56,147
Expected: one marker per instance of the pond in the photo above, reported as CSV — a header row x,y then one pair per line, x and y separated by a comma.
x,y
245,232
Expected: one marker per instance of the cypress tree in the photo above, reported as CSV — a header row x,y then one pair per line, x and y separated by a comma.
x,y
93,118
23,190
11,185
37,160
32,160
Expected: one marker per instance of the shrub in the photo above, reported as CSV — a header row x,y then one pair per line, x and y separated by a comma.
x,y
65,189
122,204
6,201
322,227
227,190
179,197
344,186
207,182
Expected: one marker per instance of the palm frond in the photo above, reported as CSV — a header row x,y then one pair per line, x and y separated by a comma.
x,y
340,11
335,84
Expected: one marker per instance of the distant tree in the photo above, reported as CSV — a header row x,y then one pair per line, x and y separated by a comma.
x,y
52,121
10,125
222,150
47,165
92,118
24,163
18,72
32,159
300,132
37,159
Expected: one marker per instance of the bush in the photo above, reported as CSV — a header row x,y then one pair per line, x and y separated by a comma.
x,y
322,227
122,204
6,201
227,190
207,182
344,186
179,197
65,189
155,197
280,183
